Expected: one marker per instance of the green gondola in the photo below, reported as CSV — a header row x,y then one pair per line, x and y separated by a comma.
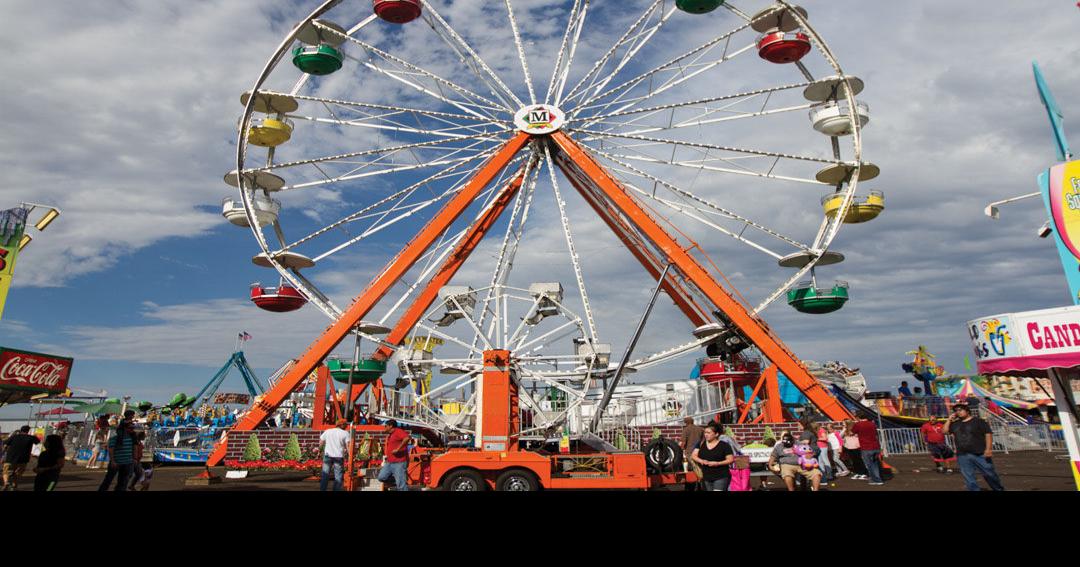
x,y
698,6
367,370
816,300
317,59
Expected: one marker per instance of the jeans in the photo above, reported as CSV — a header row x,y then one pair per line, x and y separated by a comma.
x,y
121,473
826,465
718,485
971,463
336,465
839,462
396,470
873,465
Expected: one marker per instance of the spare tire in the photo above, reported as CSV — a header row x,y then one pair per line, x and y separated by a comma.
x,y
663,455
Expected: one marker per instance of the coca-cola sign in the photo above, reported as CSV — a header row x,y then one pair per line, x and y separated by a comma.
x,y
33,370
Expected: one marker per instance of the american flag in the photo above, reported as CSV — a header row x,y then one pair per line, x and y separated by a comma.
x,y
244,336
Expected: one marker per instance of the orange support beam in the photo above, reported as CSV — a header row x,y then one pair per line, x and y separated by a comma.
x,y
450,267
751,327
398,267
750,400
318,408
499,419
643,255
774,406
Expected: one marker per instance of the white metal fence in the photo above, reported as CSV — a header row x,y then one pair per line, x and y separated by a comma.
x,y
1010,437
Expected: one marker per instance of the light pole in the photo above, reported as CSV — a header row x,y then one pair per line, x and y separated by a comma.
x,y
40,225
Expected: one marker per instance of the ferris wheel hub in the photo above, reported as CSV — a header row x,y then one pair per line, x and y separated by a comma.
x,y
539,119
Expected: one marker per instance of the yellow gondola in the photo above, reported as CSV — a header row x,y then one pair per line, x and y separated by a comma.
x,y
270,132
863,208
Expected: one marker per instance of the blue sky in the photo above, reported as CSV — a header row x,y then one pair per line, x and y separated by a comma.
x,y
144,283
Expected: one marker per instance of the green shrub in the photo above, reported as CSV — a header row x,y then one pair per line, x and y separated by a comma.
x,y
292,449
253,452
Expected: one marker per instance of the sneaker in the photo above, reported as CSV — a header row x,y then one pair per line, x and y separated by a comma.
x,y
859,477
842,473
940,470
949,471
876,484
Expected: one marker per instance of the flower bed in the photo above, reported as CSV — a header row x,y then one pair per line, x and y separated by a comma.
x,y
275,465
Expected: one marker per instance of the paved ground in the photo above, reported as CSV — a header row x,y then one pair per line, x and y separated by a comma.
x,y
1024,471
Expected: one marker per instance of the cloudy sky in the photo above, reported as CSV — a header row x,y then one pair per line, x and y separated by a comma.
x,y
126,120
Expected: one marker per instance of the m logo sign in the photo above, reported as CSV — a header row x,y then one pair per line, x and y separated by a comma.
x,y
539,119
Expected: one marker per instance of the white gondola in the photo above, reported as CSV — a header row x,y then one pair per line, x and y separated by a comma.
x,y
266,210
832,119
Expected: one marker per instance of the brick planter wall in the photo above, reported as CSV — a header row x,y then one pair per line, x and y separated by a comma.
x,y
279,437
744,433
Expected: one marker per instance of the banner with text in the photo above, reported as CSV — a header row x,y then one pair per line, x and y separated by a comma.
x,y
12,224
24,370
1060,187
1030,340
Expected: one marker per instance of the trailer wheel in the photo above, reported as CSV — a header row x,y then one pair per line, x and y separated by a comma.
x,y
464,481
663,455
517,480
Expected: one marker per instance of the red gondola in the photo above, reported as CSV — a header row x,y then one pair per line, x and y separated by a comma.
x,y
777,46
280,299
397,11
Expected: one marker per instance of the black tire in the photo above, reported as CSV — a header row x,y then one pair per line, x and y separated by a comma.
x,y
517,480
464,481
663,455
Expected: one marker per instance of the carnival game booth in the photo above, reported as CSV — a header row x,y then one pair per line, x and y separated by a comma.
x,y
1043,343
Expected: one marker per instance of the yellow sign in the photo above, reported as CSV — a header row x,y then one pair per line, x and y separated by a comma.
x,y
12,223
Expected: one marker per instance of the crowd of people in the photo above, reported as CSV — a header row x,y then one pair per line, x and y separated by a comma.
x,y
334,446
822,452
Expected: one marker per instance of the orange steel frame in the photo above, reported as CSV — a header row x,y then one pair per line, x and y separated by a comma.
x,y
752,327
622,214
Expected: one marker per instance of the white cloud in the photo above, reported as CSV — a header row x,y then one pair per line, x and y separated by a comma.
x,y
126,122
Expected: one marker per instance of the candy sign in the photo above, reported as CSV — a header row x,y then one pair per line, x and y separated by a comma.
x,y
33,371
1030,340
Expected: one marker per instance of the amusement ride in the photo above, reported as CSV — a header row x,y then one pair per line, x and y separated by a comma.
x,y
374,120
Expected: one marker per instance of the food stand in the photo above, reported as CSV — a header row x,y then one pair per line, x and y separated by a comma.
x,y
1039,344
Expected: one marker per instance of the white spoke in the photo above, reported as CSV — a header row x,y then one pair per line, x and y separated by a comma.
x,y
717,208
570,245
674,64
521,51
470,57
350,155
414,70
595,134
404,193
394,108
565,58
704,164
692,103
641,37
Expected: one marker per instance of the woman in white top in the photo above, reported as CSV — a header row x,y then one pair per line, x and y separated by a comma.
x,y
851,452
836,444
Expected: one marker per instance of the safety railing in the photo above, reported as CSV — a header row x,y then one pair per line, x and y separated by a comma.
x,y
622,437
181,443
704,399
1007,438
406,406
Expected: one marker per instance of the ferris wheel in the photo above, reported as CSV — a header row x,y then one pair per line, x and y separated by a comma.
x,y
689,128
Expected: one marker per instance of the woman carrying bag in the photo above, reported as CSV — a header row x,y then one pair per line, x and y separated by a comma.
x,y
715,458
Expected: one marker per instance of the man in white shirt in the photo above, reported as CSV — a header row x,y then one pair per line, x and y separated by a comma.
x,y
334,446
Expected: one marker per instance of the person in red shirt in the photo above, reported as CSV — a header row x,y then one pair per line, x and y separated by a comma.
x,y
934,435
396,456
869,449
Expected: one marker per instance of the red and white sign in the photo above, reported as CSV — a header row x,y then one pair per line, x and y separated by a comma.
x,y
33,370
